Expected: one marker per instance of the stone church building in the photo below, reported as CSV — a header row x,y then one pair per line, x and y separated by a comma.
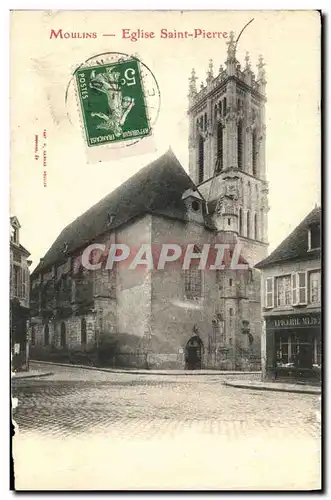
x,y
173,317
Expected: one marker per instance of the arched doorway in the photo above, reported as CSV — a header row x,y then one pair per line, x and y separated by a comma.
x,y
63,335
193,353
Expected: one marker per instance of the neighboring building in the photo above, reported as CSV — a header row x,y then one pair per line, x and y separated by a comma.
x,y
19,298
291,291
206,318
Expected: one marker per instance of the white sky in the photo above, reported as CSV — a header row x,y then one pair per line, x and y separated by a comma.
x,y
289,42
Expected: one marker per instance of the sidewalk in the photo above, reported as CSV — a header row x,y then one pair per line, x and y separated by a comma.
x,y
273,386
29,374
139,371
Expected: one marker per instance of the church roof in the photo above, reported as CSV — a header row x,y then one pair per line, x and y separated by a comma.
x,y
156,188
295,246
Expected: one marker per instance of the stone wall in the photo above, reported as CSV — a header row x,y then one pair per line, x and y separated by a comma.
x,y
133,297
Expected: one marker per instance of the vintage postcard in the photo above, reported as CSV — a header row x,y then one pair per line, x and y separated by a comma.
x,y
165,250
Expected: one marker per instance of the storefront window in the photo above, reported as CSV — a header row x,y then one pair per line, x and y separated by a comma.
x,y
282,350
317,354
296,351
283,290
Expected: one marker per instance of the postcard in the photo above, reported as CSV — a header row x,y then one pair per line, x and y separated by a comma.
x,y
165,250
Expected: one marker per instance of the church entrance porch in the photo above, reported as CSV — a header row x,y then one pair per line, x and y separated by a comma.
x,y
194,353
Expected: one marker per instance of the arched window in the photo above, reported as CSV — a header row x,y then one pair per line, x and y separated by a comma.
x,y
254,152
248,224
255,227
224,106
220,107
46,335
63,339
83,336
205,120
201,160
240,145
240,221
220,152
215,112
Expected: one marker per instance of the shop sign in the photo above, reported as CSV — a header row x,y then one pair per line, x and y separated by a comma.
x,y
294,321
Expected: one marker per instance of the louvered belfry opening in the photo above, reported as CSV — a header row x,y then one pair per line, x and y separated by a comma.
x,y
240,145
201,159
254,152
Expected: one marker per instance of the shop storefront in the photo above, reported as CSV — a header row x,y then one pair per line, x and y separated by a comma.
x,y
19,343
294,348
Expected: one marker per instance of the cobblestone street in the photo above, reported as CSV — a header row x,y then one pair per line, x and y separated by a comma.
x,y
81,429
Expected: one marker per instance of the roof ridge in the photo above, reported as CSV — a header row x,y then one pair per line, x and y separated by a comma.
x,y
156,186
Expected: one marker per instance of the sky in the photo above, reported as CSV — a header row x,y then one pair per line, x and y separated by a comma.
x,y
41,69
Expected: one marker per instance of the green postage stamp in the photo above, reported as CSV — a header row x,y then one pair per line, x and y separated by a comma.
x,y
113,102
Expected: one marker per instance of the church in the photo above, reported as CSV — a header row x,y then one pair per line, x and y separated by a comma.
x,y
172,318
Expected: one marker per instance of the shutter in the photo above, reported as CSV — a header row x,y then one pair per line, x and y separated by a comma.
x,y
302,287
269,293
294,279
19,282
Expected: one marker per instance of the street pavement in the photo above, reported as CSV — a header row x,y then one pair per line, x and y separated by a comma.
x,y
82,429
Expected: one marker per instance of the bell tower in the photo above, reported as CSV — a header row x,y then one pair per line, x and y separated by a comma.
x,y
227,135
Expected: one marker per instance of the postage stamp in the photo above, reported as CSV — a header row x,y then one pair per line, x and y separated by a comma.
x,y
112,102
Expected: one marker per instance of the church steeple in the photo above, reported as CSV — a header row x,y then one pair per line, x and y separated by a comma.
x,y
227,145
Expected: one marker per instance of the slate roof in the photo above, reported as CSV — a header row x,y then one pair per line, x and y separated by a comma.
x,y
295,246
156,188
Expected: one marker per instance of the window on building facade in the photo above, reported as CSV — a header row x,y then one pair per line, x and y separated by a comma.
x,y
224,106
289,290
83,331
283,290
240,145
315,287
230,281
220,151
25,283
201,160
15,238
20,282
205,122
16,280
269,293
255,227
193,283
46,335
254,152
314,237
248,217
